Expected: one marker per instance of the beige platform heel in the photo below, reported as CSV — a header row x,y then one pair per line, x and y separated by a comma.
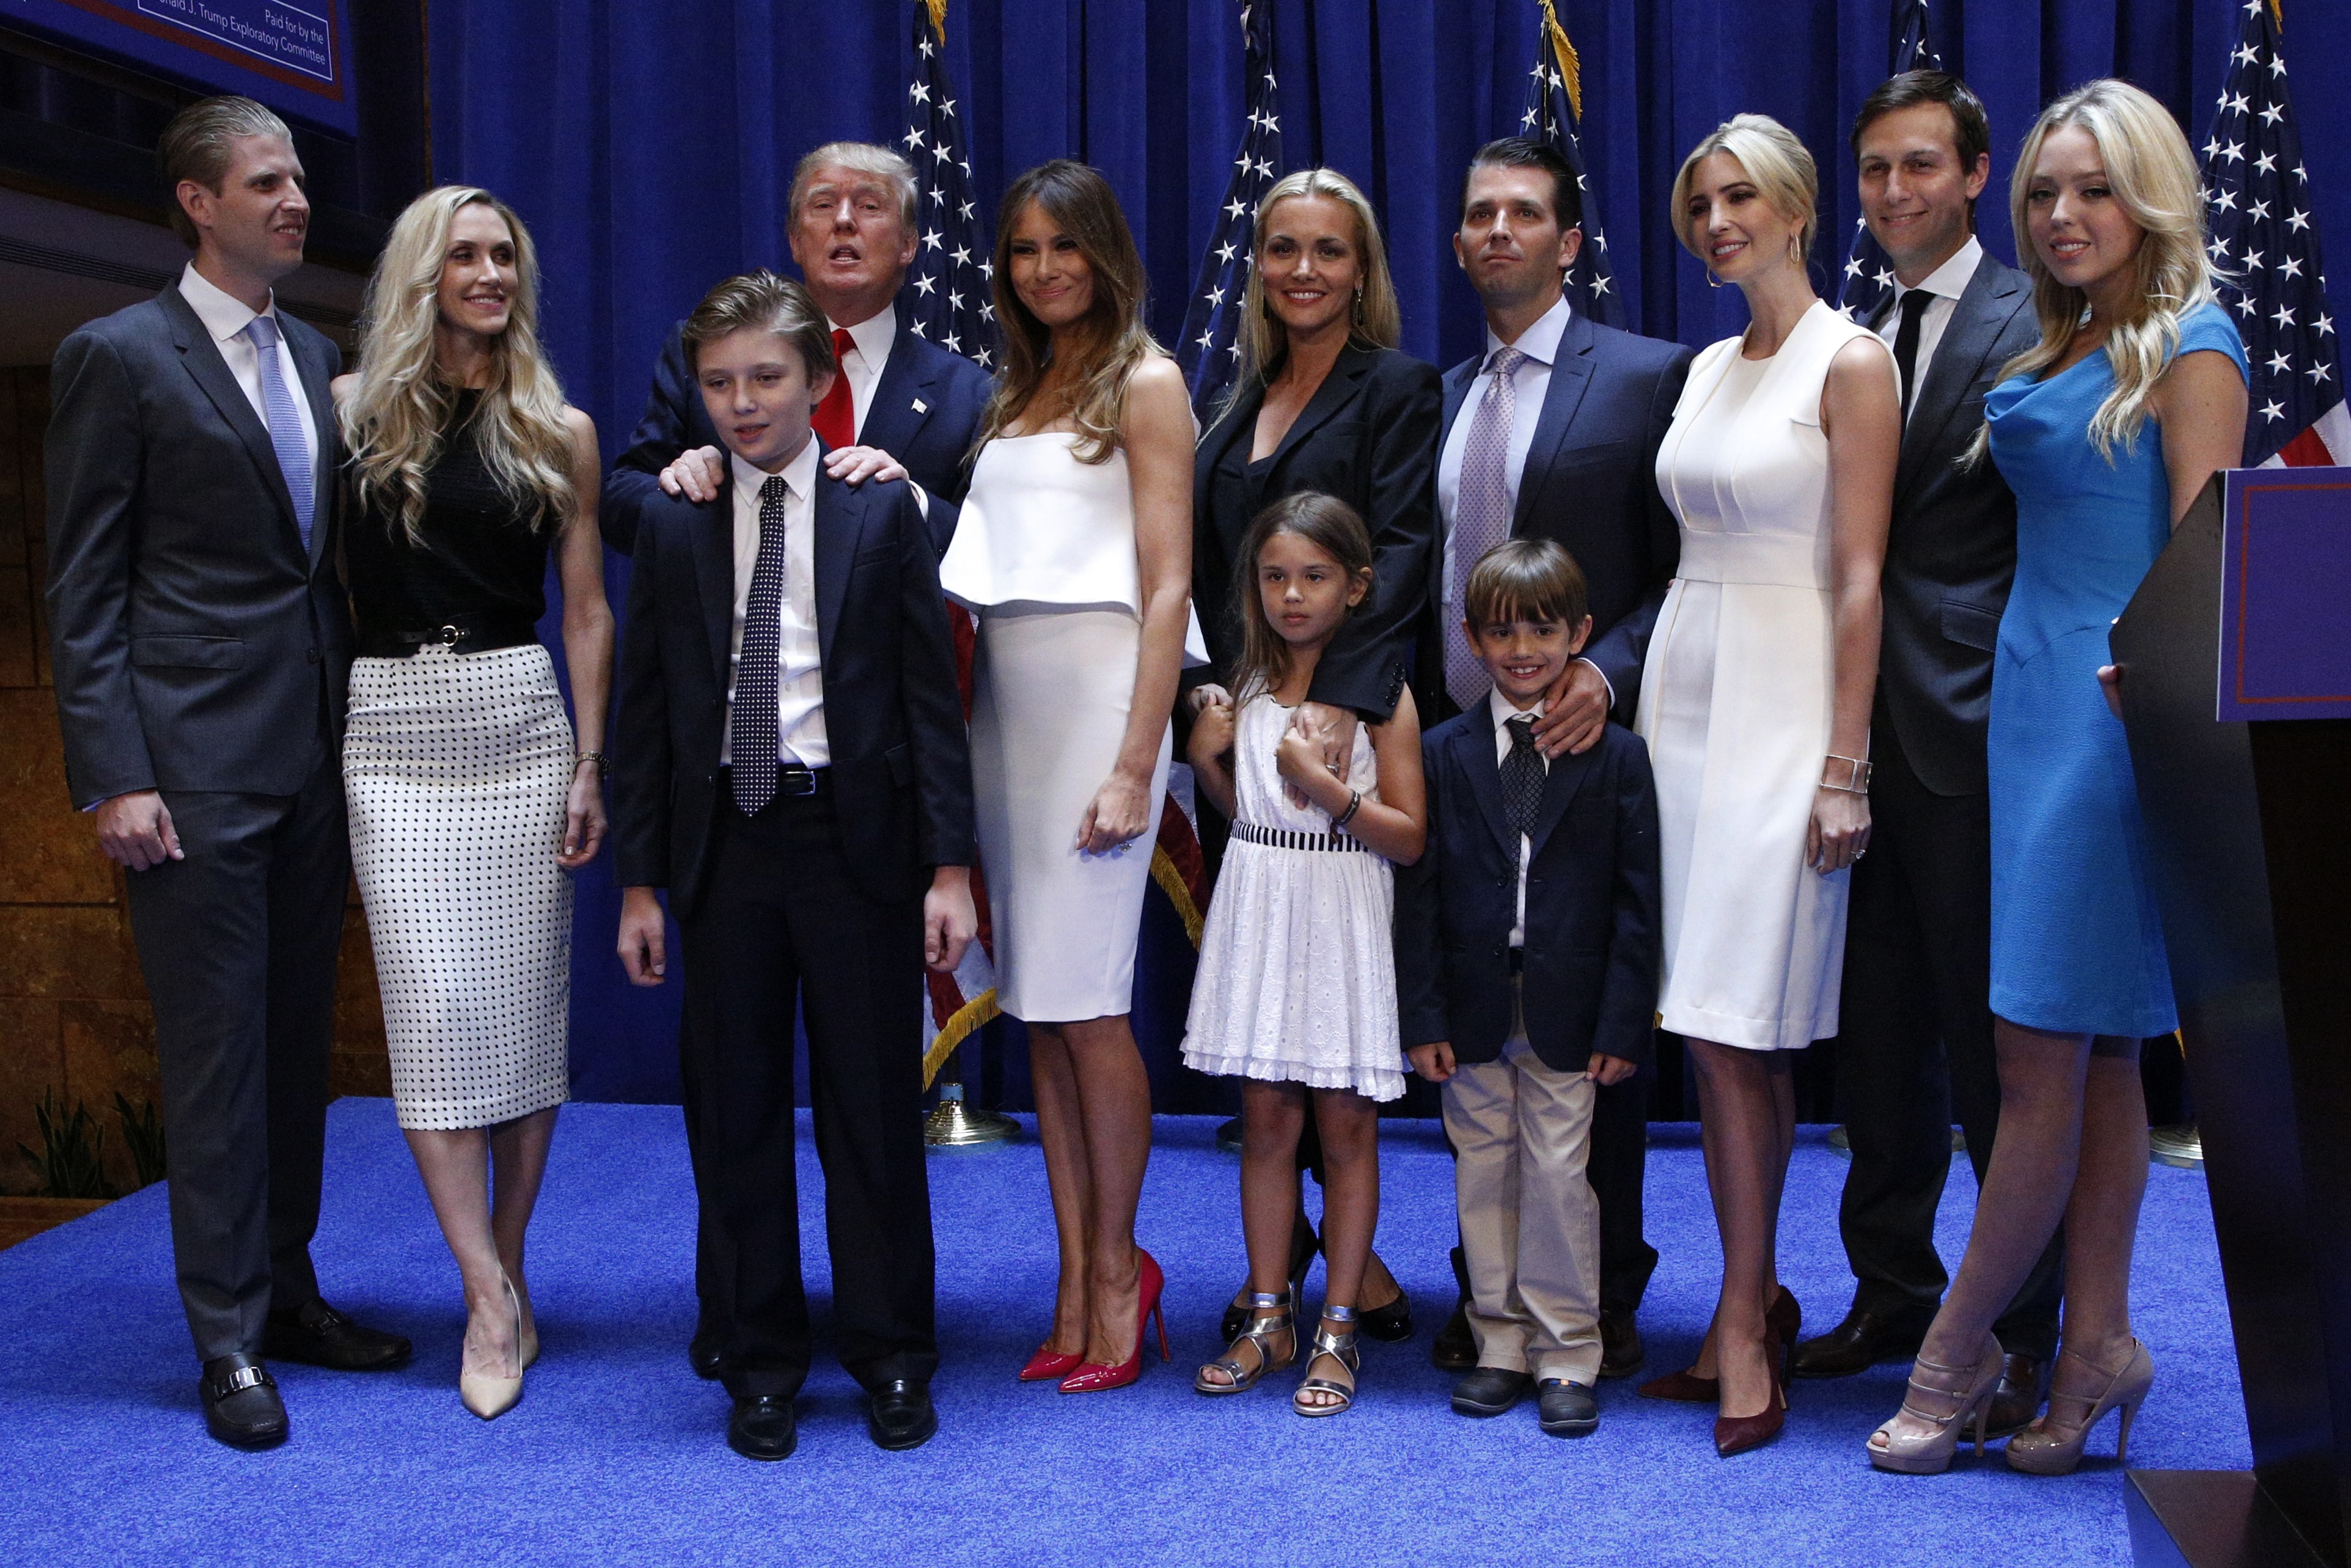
x,y
2053,1445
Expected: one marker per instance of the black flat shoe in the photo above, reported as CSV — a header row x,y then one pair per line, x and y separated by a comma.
x,y
1490,1391
1568,1409
1621,1354
1454,1349
1388,1324
317,1336
763,1427
901,1415
241,1403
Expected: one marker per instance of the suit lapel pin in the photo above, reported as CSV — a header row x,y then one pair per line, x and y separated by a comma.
x,y
922,407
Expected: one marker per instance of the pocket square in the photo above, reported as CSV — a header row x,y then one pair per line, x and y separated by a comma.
x,y
922,407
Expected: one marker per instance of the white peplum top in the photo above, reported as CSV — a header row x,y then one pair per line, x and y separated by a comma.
x,y
1040,529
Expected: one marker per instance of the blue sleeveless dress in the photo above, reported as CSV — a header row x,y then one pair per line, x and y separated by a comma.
x,y
2076,946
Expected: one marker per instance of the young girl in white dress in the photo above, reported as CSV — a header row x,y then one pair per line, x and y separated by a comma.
x,y
1296,988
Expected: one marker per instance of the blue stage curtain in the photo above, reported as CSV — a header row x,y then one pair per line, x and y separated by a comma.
x,y
648,146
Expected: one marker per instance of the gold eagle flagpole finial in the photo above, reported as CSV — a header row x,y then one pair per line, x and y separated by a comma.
x,y
1571,70
938,10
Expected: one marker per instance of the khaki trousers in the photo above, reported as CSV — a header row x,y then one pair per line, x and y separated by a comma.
x,y
1530,1223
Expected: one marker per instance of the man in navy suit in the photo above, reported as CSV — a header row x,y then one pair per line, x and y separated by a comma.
x,y
790,765
1914,1048
1552,433
853,232
202,643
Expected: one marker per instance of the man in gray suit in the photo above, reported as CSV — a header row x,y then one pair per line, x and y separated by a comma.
x,y
201,646
1914,1050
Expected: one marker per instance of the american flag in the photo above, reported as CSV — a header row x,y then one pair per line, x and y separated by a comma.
x,y
2265,245
1554,105
1210,349
1868,285
945,295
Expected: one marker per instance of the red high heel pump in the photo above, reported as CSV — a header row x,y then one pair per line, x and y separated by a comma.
x,y
1092,1377
1048,1363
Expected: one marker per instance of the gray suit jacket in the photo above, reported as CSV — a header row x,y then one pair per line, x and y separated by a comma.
x,y
195,645
1951,553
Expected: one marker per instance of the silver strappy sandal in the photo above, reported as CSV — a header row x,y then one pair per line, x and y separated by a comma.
x,y
1341,1348
1268,1315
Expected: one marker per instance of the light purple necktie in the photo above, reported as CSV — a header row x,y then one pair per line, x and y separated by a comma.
x,y
1481,513
284,422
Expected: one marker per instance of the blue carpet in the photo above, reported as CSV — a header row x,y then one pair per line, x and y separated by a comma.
x,y
616,1453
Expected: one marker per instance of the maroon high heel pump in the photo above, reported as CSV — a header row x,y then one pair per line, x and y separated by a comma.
x,y
1092,1377
1784,1322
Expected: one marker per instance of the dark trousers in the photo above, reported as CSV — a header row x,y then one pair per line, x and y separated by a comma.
x,y
1915,1047
238,943
782,924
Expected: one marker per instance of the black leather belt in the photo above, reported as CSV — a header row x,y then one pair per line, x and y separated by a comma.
x,y
457,636
800,782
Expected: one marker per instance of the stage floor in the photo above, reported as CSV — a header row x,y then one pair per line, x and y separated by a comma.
x,y
616,1453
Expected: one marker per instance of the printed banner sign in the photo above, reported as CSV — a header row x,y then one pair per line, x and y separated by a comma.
x,y
2286,594
295,57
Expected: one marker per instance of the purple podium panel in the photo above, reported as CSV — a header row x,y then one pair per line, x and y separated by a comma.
x,y
2286,594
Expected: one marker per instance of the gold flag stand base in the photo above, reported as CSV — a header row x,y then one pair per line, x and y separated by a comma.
x,y
2181,1145
956,1126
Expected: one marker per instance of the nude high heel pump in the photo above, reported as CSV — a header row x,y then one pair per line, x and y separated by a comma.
x,y
485,1395
2053,1445
1928,1452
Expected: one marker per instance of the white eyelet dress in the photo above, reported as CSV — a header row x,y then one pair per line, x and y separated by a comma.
x,y
1297,976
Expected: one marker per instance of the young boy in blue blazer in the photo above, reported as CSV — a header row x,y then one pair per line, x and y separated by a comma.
x,y
1527,959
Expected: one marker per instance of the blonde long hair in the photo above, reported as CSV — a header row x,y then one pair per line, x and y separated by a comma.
x,y
393,423
2153,176
1081,201
1376,322
1776,162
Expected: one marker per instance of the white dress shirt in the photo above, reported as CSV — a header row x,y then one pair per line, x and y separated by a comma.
x,y
1503,712
1946,283
227,317
799,687
868,354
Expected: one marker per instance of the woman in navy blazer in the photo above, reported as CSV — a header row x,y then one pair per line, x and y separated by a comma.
x,y
1324,402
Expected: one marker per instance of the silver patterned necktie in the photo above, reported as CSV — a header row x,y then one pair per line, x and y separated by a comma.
x,y
752,741
1481,513
284,422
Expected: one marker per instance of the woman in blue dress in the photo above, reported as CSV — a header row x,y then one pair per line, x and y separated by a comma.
x,y
2107,432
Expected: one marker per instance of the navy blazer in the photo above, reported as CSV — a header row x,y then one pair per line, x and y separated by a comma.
x,y
1591,483
1368,435
1950,554
901,771
925,412
195,644
1593,948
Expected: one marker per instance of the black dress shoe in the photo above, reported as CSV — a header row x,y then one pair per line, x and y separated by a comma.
x,y
1568,1409
1490,1391
241,1403
2023,1385
702,1349
1454,1349
317,1336
1621,1354
762,1427
1861,1342
900,1415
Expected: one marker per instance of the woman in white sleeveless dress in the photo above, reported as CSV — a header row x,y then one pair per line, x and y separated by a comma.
x,y
1074,546
1755,702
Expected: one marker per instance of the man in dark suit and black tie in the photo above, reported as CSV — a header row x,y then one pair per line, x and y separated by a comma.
x,y
1914,1048
790,765
852,231
201,644
1552,433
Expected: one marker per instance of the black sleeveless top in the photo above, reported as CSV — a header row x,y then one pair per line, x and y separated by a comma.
x,y
482,562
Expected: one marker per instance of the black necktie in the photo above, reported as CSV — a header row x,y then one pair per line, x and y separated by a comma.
x,y
1522,775
758,668
1906,342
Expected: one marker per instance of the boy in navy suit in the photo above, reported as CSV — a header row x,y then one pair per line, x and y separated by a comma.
x,y
790,765
1527,959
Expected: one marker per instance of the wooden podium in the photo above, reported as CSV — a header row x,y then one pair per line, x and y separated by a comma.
x,y
2236,654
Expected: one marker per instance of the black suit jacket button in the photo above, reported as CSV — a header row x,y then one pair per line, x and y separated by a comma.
x,y
312,656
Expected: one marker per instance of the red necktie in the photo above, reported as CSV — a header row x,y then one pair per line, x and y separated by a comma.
x,y
836,416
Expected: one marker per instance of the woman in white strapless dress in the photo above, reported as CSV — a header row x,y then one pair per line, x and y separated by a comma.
x,y
1755,702
1074,546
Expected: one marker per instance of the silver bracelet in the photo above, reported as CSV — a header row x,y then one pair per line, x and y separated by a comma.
x,y
1856,778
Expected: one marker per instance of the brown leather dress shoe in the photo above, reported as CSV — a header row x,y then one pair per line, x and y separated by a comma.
x,y
2023,1385
1860,1343
1620,1343
1454,1349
